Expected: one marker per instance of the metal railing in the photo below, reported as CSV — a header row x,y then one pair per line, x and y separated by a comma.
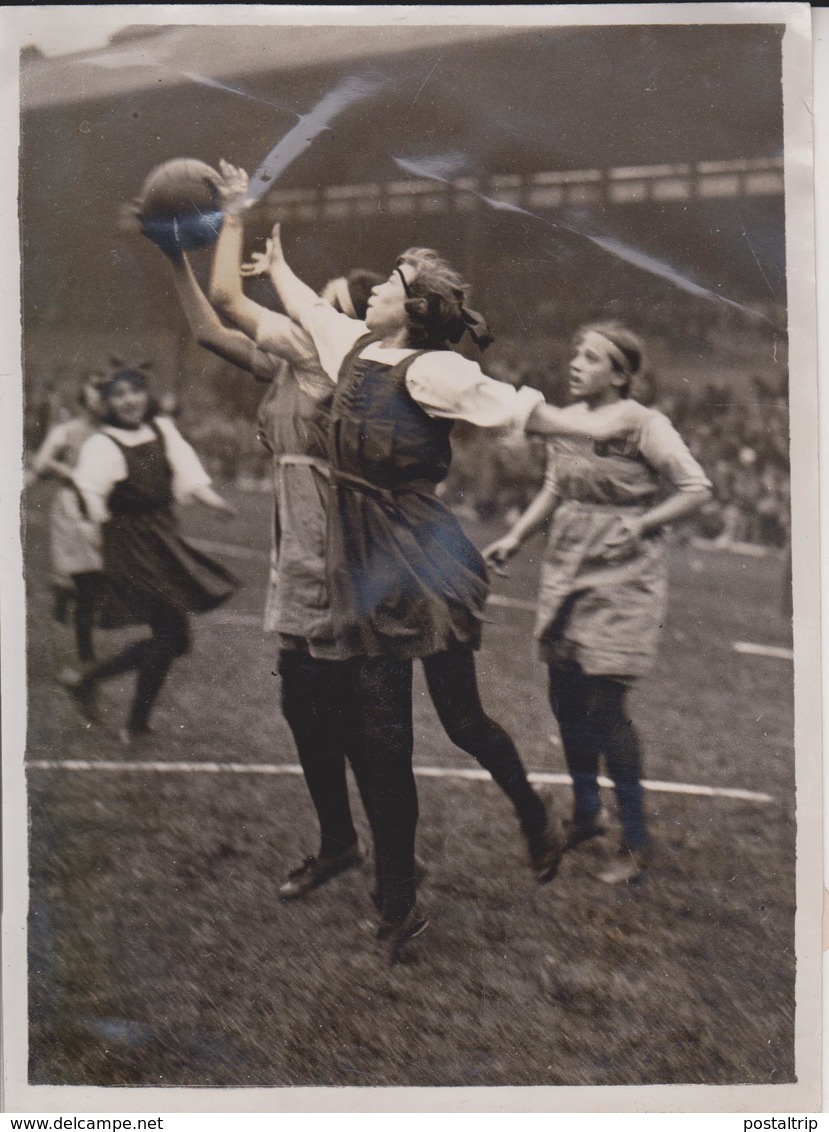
x,y
681,181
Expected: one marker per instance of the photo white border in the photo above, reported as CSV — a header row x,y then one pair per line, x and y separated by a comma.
x,y
19,26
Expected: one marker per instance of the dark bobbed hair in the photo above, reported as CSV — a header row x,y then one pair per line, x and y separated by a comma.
x,y
435,306
138,380
629,345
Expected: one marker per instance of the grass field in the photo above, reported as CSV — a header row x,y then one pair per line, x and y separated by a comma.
x,y
161,956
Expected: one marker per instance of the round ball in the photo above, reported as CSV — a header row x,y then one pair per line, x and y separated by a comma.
x,y
178,206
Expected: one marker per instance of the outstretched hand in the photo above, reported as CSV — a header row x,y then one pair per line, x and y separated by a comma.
x,y
262,262
498,553
625,542
233,188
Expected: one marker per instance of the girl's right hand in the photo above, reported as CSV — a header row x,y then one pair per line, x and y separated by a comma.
x,y
233,188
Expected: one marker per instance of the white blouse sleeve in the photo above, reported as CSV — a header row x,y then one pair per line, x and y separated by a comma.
x,y
666,452
100,467
452,387
188,470
333,334
280,335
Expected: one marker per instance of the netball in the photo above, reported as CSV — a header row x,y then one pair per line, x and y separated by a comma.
x,y
178,206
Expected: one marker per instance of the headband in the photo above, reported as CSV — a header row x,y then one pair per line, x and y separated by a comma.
x,y
407,290
615,353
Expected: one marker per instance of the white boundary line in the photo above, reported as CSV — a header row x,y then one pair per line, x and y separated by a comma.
x,y
541,778
750,649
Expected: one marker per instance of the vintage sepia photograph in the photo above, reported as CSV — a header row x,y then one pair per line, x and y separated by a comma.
x,y
417,694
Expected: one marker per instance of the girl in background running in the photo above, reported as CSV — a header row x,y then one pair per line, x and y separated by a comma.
x,y
129,474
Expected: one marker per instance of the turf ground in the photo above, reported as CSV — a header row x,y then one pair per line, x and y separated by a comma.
x,y
161,956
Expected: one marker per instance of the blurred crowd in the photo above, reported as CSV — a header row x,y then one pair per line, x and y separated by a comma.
x,y
743,444
738,431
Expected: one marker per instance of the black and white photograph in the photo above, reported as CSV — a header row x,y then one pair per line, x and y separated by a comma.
x,y
411,628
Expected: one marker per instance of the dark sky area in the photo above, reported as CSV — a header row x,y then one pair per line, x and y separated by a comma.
x,y
534,100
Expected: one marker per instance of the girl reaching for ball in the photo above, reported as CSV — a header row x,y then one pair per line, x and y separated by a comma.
x,y
603,587
405,581
317,699
129,474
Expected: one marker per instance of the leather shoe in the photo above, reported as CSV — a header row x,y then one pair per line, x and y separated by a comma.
x,y
546,852
414,923
83,691
581,829
316,871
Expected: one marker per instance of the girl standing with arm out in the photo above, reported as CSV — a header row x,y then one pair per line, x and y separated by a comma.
x,y
603,585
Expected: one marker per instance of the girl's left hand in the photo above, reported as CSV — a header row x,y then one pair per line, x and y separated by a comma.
x,y
262,262
624,542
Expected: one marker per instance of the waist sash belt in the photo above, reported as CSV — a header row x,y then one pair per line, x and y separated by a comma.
x,y
305,461
388,494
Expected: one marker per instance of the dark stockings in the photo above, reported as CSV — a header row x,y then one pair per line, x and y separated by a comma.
x,y
453,686
152,658
319,705
384,688
87,588
593,721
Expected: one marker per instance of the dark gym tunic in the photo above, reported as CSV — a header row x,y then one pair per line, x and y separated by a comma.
x,y
404,579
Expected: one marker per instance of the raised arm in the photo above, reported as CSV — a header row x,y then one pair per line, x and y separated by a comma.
x,y
296,297
226,292
282,336
206,326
